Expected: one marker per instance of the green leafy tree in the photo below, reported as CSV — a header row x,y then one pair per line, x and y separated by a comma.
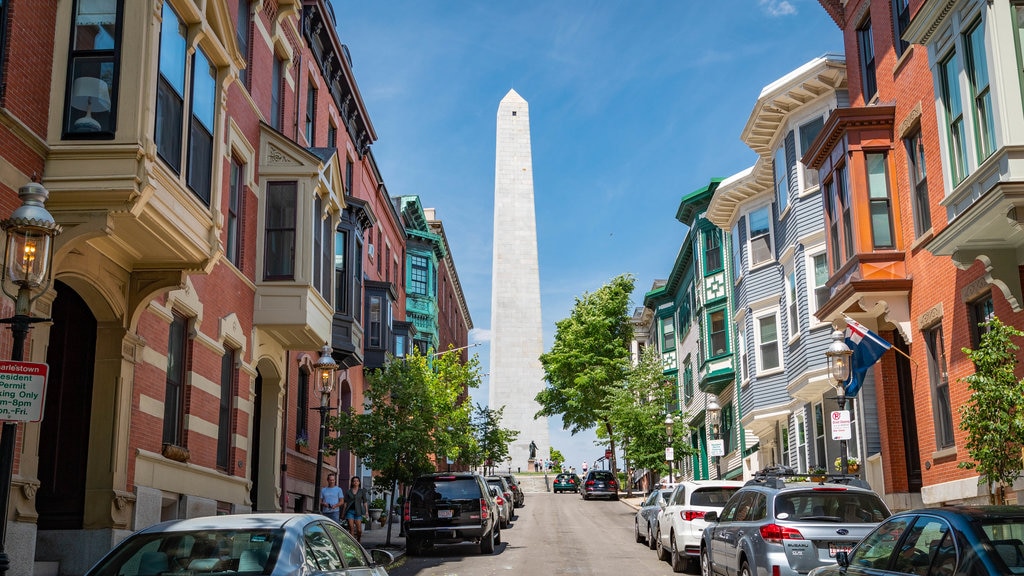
x,y
994,416
491,440
589,359
556,458
638,409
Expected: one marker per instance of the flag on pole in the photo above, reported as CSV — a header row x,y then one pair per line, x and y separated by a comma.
x,y
867,348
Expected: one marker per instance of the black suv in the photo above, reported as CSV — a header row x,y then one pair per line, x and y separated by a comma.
x,y
450,508
517,491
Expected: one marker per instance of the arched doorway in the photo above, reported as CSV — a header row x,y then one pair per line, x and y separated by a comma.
x,y
64,432
254,440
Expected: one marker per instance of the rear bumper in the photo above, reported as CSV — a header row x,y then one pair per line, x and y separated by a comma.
x,y
446,534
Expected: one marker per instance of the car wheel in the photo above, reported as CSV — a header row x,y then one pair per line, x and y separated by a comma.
x,y
679,562
705,563
651,542
663,553
616,497
413,545
487,542
636,528
744,569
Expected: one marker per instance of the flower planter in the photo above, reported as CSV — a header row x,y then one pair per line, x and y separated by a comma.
x,y
375,514
174,452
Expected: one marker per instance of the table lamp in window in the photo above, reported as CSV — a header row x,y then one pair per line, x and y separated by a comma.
x,y
91,95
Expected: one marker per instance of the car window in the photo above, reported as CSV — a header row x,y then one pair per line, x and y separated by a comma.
x,y
877,547
712,496
920,545
758,507
447,489
830,506
730,507
738,508
321,555
746,507
1007,538
678,495
198,552
351,552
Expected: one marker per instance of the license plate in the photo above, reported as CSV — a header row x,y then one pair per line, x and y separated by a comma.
x,y
834,547
444,513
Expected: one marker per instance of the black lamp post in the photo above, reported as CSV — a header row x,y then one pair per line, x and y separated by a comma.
x,y
669,452
714,417
30,232
839,355
325,366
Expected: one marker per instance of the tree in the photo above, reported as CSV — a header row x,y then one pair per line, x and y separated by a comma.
x,y
491,440
993,417
589,359
556,458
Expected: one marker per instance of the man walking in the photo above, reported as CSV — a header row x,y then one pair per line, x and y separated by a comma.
x,y
332,499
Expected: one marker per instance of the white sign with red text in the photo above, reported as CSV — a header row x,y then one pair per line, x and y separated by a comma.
x,y
841,425
22,390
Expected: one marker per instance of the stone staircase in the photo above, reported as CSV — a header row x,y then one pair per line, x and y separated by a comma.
x,y
535,484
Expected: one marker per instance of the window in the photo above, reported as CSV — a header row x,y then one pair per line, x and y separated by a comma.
x,y
981,311
225,424
673,402
332,135
954,117
843,191
878,198
90,109
668,333
900,22
744,374
3,32
341,302
276,85
687,381
174,396
919,183
977,75
791,304
767,342
311,113
808,132
819,269
418,275
820,457
375,317
866,50
760,232
348,176
781,178
737,259
357,280
800,423
938,376
718,342
321,249
279,251
712,250
242,32
233,247
173,94
727,432
302,405
832,215
399,346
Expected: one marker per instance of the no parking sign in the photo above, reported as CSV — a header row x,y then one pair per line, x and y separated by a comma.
x,y
841,425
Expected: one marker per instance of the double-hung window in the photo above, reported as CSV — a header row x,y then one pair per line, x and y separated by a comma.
x,y
843,192
668,333
276,86
310,113
900,22
919,183
225,422
279,249
980,311
938,375
954,117
236,194
418,275
718,335
737,253
808,132
90,103
866,51
321,249
728,430
687,381
768,357
791,304
819,278
713,250
981,94
242,31
781,173
341,290
375,320
302,405
759,231
878,199
187,88
174,389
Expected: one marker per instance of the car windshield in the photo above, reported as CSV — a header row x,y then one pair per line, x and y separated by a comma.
x,y
198,552
830,506
712,496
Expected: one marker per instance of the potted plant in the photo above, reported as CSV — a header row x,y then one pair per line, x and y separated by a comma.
x,y
852,464
817,473
376,508
302,439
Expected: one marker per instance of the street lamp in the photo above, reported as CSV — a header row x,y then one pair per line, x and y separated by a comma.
x,y
325,368
714,417
30,232
839,355
669,452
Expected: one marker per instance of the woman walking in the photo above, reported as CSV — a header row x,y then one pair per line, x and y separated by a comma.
x,y
357,506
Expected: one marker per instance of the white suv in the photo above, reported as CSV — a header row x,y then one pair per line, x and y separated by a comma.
x,y
681,522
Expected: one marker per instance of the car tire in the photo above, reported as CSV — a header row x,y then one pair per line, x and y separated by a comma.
x,y
636,528
616,497
663,553
487,542
744,569
651,542
413,545
678,561
705,563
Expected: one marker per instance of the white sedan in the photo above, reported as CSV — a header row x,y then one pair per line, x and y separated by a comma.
x,y
681,521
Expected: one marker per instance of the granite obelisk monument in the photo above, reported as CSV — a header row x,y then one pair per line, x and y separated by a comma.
x,y
516,375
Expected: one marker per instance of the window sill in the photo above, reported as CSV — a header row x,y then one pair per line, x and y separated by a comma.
x,y
794,338
785,211
944,453
772,372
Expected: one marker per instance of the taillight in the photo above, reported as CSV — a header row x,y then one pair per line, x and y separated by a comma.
x,y
485,512
613,483
829,489
508,495
776,534
690,515
590,482
500,500
406,511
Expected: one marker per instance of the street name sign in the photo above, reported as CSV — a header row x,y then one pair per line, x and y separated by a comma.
x,y
22,390
841,425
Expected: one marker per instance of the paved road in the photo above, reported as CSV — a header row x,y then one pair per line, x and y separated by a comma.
x,y
557,534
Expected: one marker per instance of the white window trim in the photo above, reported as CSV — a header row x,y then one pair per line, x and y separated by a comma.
x,y
789,271
761,371
771,239
809,255
736,254
741,336
798,123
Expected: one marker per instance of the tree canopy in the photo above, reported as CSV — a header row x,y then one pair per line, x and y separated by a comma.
x,y
491,439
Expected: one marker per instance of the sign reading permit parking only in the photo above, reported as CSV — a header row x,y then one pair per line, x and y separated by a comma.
x,y
841,425
22,390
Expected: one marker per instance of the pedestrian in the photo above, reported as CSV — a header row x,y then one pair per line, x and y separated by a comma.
x,y
332,498
584,467
357,507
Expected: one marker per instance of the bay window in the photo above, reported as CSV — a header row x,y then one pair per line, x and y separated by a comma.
x,y
878,200
90,101
759,232
279,241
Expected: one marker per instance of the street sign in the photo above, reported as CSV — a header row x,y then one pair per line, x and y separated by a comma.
x,y
607,454
716,447
670,454
22,390
841,425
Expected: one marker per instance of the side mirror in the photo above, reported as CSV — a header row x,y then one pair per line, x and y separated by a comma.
x,y
493,491
711,517
382,557
843,558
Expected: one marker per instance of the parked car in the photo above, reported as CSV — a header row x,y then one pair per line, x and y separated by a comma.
x,y
517,491
449,508
272,544
680,523
778,524
600,483
566,482
975,540
504,499
645,523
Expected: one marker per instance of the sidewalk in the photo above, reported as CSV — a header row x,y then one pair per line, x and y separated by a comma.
x,y
377,536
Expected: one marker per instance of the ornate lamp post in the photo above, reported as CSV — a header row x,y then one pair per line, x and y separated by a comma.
x,y
669,452
839,355
325,367
714,417
30,232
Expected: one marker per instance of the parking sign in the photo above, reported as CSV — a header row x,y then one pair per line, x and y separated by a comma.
x,y
841,425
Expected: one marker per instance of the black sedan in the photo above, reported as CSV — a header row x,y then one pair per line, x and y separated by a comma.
x,y
943,541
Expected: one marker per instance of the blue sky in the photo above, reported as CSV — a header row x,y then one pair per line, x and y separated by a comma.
x,y
633,104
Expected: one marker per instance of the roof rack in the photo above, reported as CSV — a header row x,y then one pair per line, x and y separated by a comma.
x,y
774,477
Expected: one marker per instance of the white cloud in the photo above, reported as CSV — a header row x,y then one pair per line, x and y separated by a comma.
x,y
777,7
479,335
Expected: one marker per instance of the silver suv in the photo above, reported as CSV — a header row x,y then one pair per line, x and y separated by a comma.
x,y
780,524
